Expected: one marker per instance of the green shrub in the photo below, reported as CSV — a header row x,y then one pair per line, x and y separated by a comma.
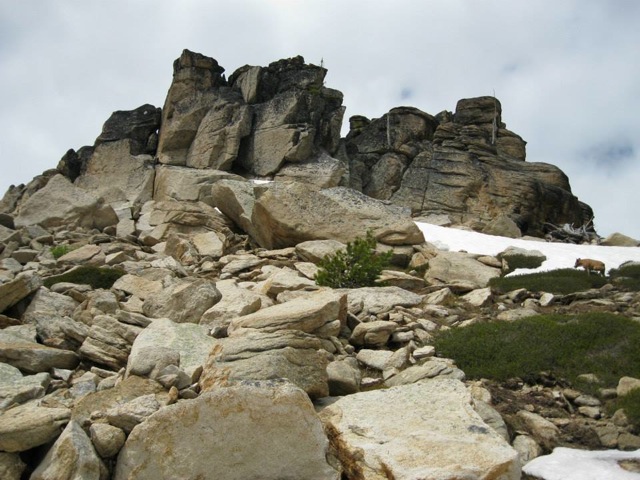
x,y
518,260
356,266
631,405
60,250
87,275
564,345
562,281
627,276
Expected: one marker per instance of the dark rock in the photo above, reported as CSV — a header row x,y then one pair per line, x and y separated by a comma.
x,y
139,125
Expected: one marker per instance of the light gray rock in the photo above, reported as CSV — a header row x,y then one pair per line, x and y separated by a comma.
x,y
372,334
183,302
192,342
344,377
456,267
236,302
439,436
129,414
376,359
235,199
209,244
284,279
258,355
375,300
136,285
107,439
626,384
544,432
186,184
11,466
479,298
62,203
287,214
27,426
619,240
21,286
315,250
31,357
71,456
16,389
47,303
527,448
516,314
321,313
116,175
266,430
108,342
83,255
322,171
434,367
503,226
394,278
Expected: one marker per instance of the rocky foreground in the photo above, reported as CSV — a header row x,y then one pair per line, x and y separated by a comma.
x,y
177,370
210,352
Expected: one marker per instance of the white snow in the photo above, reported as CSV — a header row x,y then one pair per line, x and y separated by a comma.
x,y
571,464
559,255
563,463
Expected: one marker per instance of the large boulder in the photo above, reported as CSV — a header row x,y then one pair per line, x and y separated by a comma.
x,y
60,202
182,302
27,426
259,355
266,430
140,126
21,286
187,184
287,214
459,268
436,434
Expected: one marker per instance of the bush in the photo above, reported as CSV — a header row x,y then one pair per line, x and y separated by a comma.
x,y
564,345
562,282
356,266
627,276
519,260
87,275
60,250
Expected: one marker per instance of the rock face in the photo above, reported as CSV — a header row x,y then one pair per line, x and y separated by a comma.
x,y
265,430
452,443
466,165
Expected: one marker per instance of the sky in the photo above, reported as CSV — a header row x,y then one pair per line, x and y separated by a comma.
x,y
567,73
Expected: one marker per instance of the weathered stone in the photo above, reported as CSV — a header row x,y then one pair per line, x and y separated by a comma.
x,y
619,240
434,367
71,456
503,226
82,255
47,303
344,377
262,430
11,466
394,278
285,279
187,184
108,342
479,298
316,250
527,448
62,203
118,175
313,313
236,200
27,426
141,287
107,439
439,437
235,302
626,384
16,389
185,301
322,171
516,314
189,340
377,359
21,286
287,214
375,300
209,244
129,414
455,267
545,432
31,357
258,355
372,334
139,125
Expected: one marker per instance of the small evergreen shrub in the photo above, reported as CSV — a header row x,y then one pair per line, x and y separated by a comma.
x,y
567,346
356,266
60,250
562,281
87,275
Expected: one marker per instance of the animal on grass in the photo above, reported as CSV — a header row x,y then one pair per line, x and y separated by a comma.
x,y
590,265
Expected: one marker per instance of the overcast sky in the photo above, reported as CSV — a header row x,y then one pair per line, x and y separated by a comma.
x,y
567,72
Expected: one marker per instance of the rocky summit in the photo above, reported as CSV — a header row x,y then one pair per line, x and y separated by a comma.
x,y
160,318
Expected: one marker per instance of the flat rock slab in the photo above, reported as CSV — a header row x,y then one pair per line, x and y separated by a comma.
x,y
31,357
265,430
27,426
424,430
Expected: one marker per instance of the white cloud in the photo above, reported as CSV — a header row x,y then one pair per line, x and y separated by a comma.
x,y
566,72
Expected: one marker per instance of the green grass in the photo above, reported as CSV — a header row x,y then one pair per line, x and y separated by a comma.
x,y
97,277
60,250
562,281
627,276
564,345
521,261
631,405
